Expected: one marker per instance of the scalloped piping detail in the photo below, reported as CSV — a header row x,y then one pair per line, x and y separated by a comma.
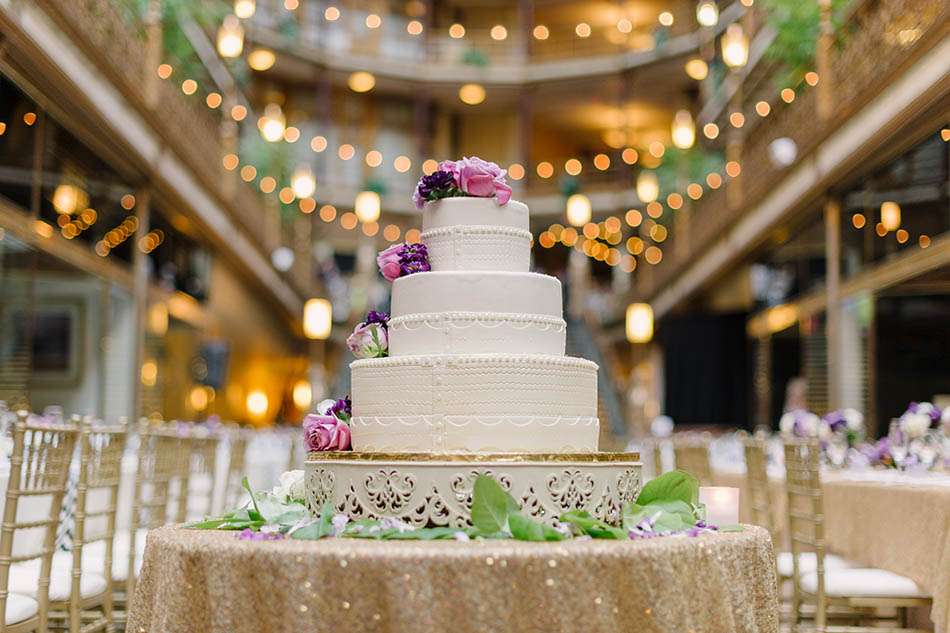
x,y
476,229
450,360
463,421
464,320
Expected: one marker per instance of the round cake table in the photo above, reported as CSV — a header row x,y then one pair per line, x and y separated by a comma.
x,y
213,582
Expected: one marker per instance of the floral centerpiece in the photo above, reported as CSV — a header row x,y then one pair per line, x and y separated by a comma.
x,y
847,424
370,338
799,423
403,259
919,418
471,177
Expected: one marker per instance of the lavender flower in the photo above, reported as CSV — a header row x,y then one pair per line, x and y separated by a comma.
x,y
377,317
414,258
342,409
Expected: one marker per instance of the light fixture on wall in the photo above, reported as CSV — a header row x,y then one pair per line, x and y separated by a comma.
x,y
578,209
361,81
639,323
367,206
68,199
648,187
471,94
317,319
683,130
158,319
230,37
735,47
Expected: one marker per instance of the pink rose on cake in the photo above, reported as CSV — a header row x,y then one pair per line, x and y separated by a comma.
x,y
325,433
370,338
466,177
388,262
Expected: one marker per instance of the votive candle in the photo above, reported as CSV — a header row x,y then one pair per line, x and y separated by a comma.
x,y
722,504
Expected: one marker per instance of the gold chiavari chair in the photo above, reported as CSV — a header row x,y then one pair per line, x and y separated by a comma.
x,y
692,455
39,473
159,459
757,478
236,468
861,590
198,456
90,559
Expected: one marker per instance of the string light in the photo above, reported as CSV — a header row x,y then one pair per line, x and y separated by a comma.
x,y
697,69
244,8
735,47
648,187
707,13
302,182
573,166
629,156
414,27
472,94
541,32
318,144
374,158
261,59
665,18
582,30
272,124
710,130
361,81
331,14
516,171
373,21
624,25
230,38
545,169
683,130
498,33
456,31
238,112
346,151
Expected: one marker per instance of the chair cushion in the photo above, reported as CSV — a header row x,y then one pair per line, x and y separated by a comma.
x,y
863,583
93,555
19,608
807,561
25,579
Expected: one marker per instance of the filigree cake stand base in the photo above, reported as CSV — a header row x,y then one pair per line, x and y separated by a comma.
x,y
426,489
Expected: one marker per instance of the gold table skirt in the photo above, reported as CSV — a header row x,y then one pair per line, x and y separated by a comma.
x,y
212,582
902,526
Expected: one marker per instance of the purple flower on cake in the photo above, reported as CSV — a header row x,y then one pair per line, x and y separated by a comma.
x,y
370,339
326,433
404,259
799,423
341,409
469,177
437,185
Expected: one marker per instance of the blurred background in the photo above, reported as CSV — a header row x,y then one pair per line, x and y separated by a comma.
x,y
746,201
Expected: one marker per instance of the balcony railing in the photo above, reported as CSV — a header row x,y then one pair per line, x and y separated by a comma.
x,y
880,38
118,44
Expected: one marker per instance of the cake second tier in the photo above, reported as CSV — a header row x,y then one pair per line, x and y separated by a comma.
x,y
476,234
475,403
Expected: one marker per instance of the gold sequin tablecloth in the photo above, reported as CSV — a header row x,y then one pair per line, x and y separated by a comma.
x,y
212,582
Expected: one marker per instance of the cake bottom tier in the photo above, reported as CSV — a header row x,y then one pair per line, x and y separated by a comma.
x,y
436,490
475,434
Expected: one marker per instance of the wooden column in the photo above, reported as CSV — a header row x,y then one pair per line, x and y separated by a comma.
x,y
832,212
154,50
139,297
826,36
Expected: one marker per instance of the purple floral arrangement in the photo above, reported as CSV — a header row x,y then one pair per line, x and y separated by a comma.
x,y
370,338
847,423
403,259
329,429
472,177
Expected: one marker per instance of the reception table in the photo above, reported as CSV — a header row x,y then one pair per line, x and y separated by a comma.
x,y
213,582
885,519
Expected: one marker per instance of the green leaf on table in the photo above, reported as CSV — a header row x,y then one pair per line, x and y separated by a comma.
x,y
318,529
425,534
255,513
527,529
730,528
587,524
491,505
676,485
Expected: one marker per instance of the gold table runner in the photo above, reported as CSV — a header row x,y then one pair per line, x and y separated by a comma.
x,y
212,582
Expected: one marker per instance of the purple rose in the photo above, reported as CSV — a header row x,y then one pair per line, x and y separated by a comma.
x,y
388,262
369,340
479,178
439,184
326,433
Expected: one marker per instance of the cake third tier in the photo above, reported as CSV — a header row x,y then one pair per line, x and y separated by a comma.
x,y
475,403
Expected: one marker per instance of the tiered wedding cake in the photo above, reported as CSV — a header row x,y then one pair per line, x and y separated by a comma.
x,y
476,381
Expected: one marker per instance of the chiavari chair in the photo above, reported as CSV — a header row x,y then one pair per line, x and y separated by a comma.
x,y
90,559
691,452
159,459
758,489
861,590
39,473
237,460
197,460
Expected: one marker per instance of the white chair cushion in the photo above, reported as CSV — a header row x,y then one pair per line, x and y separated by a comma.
x,y
93,555
19,608
863,583
25,579
807,562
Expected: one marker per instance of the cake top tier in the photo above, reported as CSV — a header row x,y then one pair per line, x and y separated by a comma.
x,y
465,211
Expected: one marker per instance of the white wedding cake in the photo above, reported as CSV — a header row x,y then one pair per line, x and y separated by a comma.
x,y
476,348
476,381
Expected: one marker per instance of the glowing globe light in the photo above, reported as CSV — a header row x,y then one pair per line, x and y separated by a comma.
x,y
578,209
890,215
639,323
282,258
317,319
273,123
707,13
302,182
245,8
257,404
648,187
230,37
260,59
367,206
361,81
683,130
735,47
697,69
471,94
302,395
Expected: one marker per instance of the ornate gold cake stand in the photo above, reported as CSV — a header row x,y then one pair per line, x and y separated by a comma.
x,y
436,489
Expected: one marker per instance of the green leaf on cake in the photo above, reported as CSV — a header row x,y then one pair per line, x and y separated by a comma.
x,y
491,505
